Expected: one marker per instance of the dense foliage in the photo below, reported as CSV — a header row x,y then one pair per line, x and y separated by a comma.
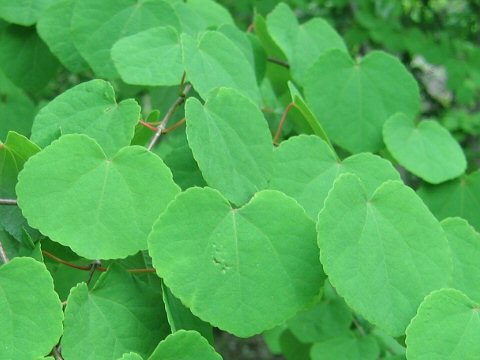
x,y
172,170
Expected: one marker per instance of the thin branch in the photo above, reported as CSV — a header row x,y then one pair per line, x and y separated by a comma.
x,y
163,124
282,122
56,354
278,62
148,125
3,254
181,87
8,201
93,266
251,27
174,126
359,326
89,268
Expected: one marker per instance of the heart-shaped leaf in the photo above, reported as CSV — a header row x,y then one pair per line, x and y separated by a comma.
x,y
185,345
459,197
305,168
89,108
446,327
30,311
383,253
120,314
464,242
243,270
103,208
150,58
353,99
231,143
23,12
427,149
346,348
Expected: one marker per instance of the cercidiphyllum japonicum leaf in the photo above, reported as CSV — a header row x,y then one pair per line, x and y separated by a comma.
x,y
353,99
184,345
213,61
305,168
446,327
384,252
25,59
89,108
98,25
231,143
120,314
425,149
243,270
101,207
302,44
54,28
348,347
23,12
13,154
198,15
464,243
459,197
131,356
30,311
16,109
152,57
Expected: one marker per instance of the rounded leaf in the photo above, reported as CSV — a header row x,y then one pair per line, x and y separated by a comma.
x,y
103,208
427,149
346,348
30,311
243,270
383,253
446,327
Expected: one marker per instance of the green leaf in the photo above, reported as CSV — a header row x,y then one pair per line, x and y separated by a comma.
x,y
353,99
30,310
54,28
89,108
214,61
305,168
231,143
327,319
120,314
185,345
426,149
387,244
302,44
447,326
198,15
346,348
13,154
152,57
222,263
23,12
98,25
131,356
464,243
16,108
292,348
180,317
25,59
103,208
459,197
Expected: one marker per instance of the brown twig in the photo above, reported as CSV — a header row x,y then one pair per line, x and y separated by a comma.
x,y
274,60
8,201
282,122
174,126
89,268
163,124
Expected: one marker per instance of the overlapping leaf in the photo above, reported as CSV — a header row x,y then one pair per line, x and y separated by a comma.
x,y
243,270
427,149
31,313
102,207
230,140
214,61
353,99
383,252
89,108
23,12
459,197
119,315
447,326
302,44
98,25
305,168
346,348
